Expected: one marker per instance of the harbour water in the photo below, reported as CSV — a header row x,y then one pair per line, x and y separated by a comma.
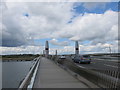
x,y
14,72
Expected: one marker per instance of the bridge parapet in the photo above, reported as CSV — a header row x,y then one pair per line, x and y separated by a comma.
x,y
28,81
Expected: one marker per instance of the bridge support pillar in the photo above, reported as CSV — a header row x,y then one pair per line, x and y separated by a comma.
x,y
46,49
76,49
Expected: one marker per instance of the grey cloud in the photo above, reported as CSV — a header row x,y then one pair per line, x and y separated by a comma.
x,y
12,34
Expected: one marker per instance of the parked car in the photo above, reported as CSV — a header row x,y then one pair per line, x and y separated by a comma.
x,y
82,59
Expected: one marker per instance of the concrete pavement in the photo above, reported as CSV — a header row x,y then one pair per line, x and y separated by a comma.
x,y
50,75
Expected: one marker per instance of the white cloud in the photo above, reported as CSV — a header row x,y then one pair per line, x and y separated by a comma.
x,y
55,42
100,48
47,17
61,0
43,17
87,49
93,27
50,20
22,50
63,50
84,49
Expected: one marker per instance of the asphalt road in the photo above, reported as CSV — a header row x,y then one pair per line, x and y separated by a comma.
x,y
101,64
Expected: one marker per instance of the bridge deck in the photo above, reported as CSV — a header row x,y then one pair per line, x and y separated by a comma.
x,y
50,75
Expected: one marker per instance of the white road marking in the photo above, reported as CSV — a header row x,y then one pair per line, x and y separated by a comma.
x,y
111,66
107,60
80,66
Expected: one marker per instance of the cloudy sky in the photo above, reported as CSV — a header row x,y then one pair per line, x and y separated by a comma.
x,y
27,25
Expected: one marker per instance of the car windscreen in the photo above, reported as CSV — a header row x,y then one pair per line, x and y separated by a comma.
x,y
86,56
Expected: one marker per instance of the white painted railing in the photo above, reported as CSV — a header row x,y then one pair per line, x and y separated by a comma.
x,y
30,78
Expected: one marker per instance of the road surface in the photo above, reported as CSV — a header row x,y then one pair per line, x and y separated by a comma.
x,y
101,64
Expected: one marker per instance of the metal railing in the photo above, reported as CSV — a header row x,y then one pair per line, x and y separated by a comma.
x,y
29,79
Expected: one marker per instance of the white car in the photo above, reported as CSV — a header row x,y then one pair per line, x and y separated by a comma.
x,y
62,57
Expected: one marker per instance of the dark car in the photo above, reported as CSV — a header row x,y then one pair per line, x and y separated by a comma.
x,y
82,59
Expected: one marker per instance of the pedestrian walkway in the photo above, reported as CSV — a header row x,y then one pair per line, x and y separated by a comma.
x,y
50,75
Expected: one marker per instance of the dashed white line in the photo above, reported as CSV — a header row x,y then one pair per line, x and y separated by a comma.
x,y
80,66
107,60
111,66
